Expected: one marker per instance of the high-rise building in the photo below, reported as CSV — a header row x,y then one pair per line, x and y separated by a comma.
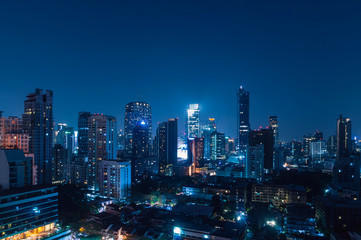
x,y
192,121
264,137
255,162
218,147
136,112
39,125
83,134
307,139
140,140
273,125
243,125
15,169
344,141
115,179
102,142
12,134
167,137
332,145
195,153
207,131
317,151
62,157
64,135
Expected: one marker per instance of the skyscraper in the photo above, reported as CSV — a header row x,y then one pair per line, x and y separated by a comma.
x,y
192,121
344,140
39,125
207,131
243,125
83,134
167,137
140,140
273,125
218,147
136,112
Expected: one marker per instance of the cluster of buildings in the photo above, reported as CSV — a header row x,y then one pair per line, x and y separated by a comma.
x,y
36,153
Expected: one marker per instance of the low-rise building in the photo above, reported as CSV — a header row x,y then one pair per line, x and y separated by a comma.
x,y
28,212
278,195
300,219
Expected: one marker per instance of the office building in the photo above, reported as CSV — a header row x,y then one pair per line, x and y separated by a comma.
x,y
141,143
273,125
28,212
192,121
167,145
264,137
218,146
332,146
62,157
16,170
243,125
344,140
39,125
317,152
83,140
64,135
207,132
136,112
195,153
115,179
255,162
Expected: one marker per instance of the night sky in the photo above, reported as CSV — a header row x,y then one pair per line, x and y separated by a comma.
x,y
300,60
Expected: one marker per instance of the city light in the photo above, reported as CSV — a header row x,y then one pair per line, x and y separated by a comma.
x,y
177,230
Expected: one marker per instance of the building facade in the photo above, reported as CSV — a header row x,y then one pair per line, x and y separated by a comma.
x,y
136,112
192,121
27,212
115,179
39,125
243,124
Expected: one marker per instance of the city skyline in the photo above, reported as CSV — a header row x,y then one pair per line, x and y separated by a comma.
x,y
189,58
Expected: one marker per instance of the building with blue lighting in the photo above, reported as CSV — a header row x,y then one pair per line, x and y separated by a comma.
x,y
136,112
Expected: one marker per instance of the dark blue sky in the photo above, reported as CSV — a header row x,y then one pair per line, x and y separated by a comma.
x,y
301,60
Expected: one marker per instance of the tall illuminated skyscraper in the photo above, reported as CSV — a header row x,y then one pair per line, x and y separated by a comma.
x,y
243,118
136,112
344,140
39,125
192,121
